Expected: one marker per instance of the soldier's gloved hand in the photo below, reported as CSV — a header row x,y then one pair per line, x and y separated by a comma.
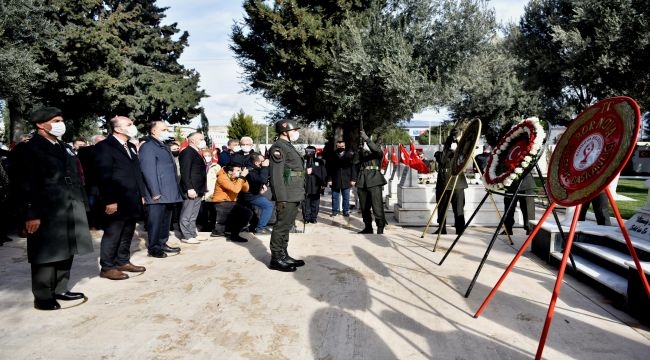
x,y
363,135
279,205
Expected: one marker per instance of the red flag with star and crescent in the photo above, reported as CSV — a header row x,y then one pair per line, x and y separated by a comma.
x,y
404,157
384,160
393,155
416,163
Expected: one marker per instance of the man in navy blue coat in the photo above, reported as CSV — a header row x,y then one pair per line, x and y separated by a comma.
x,y
162,189
121,188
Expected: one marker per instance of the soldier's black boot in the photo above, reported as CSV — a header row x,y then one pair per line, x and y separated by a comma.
x,y
380,230
366,230
278,262
291,261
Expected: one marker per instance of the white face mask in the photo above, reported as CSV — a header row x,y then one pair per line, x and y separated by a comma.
x,y
246,148
165,135
294,136
58,129
132,131
201,144
208,158
366,147
236,148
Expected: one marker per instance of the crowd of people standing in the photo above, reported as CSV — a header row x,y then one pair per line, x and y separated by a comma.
x,y
120,180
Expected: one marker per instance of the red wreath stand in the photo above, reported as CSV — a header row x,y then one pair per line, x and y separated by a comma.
x,y
593,150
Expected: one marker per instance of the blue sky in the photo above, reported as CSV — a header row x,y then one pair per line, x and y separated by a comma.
x,y
208,23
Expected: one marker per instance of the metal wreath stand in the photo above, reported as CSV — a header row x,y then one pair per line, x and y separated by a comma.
x,y
614,122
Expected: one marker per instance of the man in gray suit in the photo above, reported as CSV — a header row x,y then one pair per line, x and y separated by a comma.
x,y
162,190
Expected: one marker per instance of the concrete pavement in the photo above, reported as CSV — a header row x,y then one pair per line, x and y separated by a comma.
x,y
358,297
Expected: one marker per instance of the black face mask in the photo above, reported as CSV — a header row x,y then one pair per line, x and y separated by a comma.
x,y
175,153
339,150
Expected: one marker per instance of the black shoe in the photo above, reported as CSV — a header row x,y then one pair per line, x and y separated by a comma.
x,y
171,249
69,295
366,231
47,304
217,233
347,214
380,230
237,238
158,254
291,261
506,232
441,231
334,214
278,263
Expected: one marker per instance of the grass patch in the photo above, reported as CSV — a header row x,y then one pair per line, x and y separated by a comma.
x,y
632,188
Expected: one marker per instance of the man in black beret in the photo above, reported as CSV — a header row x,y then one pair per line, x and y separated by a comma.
x,y
53,197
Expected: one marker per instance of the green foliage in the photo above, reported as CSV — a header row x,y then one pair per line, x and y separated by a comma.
x,y
242,125
204,128
393,135
578,51
95,59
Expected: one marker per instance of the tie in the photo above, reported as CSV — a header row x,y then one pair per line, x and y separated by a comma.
x,y
128,151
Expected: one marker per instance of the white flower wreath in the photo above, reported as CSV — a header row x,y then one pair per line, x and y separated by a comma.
x,y
514,154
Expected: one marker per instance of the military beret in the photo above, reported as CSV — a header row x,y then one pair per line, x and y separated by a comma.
x,y
44,114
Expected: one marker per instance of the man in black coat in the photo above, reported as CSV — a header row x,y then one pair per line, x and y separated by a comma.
x,y
370,183
458,195
193,186
121,187
315,180
53,197
341,177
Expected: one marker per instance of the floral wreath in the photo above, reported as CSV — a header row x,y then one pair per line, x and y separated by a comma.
x,y
514,153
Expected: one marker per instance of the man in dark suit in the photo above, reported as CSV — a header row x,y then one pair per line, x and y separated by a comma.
x,y
162,191
341,176
53,197
121,188
193,186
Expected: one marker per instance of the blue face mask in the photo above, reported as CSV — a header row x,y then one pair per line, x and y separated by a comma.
x,y
165,135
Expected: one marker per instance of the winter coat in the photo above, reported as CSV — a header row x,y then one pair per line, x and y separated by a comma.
x,y
159,172
227,189
52,191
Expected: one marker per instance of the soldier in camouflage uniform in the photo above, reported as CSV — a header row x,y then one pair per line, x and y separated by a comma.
x,y
288,185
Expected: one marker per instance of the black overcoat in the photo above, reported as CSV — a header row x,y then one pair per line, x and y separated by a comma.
x,y
52,191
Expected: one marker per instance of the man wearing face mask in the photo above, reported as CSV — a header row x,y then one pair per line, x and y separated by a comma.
x,y
245,150
193,186
341,176
288,187
162,190
55,206
225,157
121,188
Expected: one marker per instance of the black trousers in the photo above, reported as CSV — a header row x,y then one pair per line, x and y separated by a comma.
x,y
232,215
527,206
372,204
115,247
285,221
158,222
50,278
310,207
457,205
601,210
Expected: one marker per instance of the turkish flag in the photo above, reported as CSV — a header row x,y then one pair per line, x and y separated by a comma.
x,y
417,163
393,155
384,160
404,157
